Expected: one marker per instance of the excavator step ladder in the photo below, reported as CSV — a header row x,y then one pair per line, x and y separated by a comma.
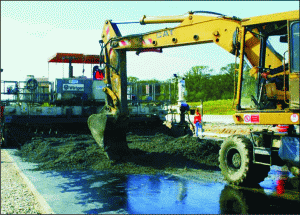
x,y
262,151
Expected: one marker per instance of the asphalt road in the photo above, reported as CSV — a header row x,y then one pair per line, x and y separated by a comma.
x,y
86,192
92,192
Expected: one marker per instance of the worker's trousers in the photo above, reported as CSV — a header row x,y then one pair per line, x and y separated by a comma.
x,y
198,125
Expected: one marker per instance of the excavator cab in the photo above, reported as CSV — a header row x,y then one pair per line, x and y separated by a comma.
x,y
273,84
267,94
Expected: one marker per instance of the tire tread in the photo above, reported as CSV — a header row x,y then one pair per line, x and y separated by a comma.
x,y
250,173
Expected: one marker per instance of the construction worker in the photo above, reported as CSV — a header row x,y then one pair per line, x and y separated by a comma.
x,y
197,122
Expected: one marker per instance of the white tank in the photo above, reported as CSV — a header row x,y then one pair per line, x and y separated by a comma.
x,y
29,95
29,77
181,91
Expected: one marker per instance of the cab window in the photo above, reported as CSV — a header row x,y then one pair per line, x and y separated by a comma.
x,y
294,42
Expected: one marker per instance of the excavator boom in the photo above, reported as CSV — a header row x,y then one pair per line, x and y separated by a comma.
x,y
240,37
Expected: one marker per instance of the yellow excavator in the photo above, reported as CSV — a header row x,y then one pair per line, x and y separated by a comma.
x,y
267,95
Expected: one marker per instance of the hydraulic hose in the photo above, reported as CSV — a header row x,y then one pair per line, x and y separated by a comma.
x,y
110,66
209,12
190,121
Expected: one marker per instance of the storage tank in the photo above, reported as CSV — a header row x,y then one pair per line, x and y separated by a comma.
x,y
43,89
29,96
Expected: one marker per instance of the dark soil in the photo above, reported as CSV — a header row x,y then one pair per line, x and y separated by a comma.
x,y
151,152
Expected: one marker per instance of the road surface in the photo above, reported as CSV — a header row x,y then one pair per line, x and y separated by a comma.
x,y
91,192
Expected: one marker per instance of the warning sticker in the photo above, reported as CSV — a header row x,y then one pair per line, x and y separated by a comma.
x,y
247,118
294,118
255,118
251,118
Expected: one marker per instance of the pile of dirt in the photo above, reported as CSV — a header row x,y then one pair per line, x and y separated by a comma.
x,y
152,150
149,154
63,153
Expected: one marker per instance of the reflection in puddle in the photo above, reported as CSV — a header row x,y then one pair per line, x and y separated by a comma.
x,y
242,200
115,193
86,192
171,195
278,193
279,181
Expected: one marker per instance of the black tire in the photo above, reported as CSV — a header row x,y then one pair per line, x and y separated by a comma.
x,y
242,201
3,137
293,169
232,201
7,139
16,136
235,158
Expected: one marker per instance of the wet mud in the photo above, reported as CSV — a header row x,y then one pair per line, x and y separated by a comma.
x,y
152,151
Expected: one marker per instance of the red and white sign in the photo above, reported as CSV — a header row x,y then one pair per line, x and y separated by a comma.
x,y
147,42
251,118
107,32
247,118
124,43
294,118
255,118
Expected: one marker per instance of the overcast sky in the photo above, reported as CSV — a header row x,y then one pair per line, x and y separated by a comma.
x,y
32,32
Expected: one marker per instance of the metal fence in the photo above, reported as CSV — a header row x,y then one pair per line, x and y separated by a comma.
x,y
20,91
145,92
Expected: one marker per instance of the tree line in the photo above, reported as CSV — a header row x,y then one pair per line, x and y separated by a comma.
x,y
202,84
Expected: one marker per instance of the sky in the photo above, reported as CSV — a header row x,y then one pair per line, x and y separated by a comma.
x,y
34,31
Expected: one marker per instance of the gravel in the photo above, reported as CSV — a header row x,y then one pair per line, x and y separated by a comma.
x,y
15,196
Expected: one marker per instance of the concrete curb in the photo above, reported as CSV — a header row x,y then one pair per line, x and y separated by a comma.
x,y
43,206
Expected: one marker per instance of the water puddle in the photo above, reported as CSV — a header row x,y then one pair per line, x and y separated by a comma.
x,y
278,194
91,192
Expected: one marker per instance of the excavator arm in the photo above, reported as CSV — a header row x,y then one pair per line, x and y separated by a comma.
x,y
192,29
227,32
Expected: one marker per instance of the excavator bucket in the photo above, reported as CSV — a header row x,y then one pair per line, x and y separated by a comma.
x,y
97,124
110,135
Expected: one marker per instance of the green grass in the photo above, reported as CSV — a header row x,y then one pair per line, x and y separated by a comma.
x,y
217,107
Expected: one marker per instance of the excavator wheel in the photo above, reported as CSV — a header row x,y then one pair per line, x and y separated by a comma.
x,y
5,138
293,169
233,201
235,157
14,135
110,135
237,200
